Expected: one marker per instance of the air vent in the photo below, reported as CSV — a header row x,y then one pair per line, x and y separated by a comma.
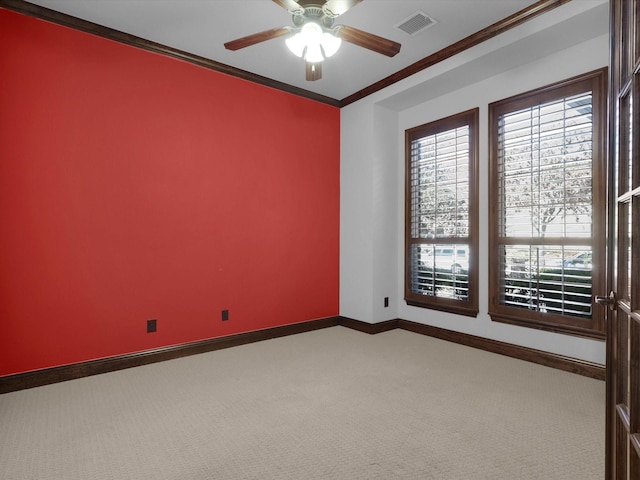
x,y
416,23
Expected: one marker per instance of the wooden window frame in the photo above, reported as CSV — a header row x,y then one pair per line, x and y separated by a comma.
x,y
596,82
469,306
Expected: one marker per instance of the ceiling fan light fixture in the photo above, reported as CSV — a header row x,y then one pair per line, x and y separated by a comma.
x,y
313,43
330,44
313,53
296,44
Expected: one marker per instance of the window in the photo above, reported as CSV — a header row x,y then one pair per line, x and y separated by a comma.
x,y
548,197
441,234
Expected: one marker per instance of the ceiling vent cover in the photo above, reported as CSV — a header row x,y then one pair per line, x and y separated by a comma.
x,y
416,23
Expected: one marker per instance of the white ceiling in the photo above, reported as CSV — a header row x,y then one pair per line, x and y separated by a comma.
x,y
202,27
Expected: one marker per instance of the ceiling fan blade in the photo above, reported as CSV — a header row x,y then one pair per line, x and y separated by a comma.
x,y
368,40
257,38
313,71
338,7
290,5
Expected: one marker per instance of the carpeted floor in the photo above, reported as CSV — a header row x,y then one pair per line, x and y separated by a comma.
x,y
329,404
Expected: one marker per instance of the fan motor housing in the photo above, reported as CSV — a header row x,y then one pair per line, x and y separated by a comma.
x,y
312,12
308,3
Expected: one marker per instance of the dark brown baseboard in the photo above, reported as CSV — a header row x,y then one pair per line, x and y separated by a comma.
x,y
47,376
370,328
560,362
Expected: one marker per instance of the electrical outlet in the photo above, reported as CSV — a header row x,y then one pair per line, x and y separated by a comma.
x,y
386,302
151,326
225,315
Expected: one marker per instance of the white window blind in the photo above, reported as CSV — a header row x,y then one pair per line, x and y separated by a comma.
x,y
439,175
545,204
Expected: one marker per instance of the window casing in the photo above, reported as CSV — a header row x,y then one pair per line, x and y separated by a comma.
x,y
548,206
441,214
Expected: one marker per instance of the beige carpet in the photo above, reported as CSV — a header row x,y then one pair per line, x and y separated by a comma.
x,y
328,404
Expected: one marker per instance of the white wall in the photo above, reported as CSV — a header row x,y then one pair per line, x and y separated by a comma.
x,y
568,41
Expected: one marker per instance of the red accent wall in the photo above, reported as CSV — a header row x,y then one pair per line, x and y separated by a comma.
x,y
134,186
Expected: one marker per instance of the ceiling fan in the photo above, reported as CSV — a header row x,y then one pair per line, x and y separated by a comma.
x,y
314,36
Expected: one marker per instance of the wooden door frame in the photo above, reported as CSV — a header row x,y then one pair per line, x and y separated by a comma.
x,y
622,457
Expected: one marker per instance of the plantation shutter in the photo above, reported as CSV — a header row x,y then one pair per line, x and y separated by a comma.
x,y
440,251
545,166
547,241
